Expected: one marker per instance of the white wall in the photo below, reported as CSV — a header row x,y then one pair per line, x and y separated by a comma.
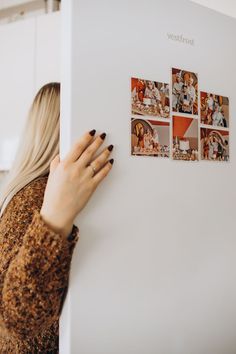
x,y
155,265
48,49
29,57
17,72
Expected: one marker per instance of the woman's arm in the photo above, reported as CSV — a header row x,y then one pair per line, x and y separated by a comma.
x,y
36,279
34,282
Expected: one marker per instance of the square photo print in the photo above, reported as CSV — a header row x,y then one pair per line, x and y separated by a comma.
x,y
150,98
150,138
185,139
184,92
214,145
214,110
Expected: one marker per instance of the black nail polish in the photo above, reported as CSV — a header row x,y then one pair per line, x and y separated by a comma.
x,y
111,161
110,147
102,136
92,132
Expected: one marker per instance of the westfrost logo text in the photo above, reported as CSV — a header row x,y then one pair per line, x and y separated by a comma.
x,y
180,38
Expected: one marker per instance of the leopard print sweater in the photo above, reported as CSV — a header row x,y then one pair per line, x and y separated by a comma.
x,y
34,274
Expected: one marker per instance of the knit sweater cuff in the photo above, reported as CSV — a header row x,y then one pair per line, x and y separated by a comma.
x,y
40,236
37,218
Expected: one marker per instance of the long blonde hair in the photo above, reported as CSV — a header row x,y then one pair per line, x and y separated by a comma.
x,y
39,143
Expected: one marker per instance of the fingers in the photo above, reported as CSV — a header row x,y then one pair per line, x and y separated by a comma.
x,y
99,161
88,153
79,146
102,173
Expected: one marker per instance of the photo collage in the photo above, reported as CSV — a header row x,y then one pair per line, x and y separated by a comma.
x,y
173,124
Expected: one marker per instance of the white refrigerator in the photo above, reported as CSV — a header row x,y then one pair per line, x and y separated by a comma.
x,y
154,271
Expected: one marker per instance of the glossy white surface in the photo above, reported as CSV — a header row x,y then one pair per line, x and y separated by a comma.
x,y
155,265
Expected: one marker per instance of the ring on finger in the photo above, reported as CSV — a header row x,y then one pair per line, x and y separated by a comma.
x,y
93,168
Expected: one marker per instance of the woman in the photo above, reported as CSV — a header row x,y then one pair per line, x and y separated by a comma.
x,y
155,140
185,101
177,89
42,197
217,117
139,129
152,92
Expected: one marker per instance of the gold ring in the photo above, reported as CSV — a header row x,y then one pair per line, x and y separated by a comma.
x,y
93,168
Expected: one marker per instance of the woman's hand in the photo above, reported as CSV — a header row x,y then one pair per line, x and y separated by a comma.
x,y
72,181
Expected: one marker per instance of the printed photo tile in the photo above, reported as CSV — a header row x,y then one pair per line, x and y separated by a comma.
x,y
214,144
184,92
150,138
214,110
150,98
185,139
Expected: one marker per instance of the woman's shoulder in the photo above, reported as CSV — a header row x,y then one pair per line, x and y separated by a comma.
x,y
36,184
29,198
35,188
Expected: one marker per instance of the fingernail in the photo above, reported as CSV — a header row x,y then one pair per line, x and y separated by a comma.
x,y
102,136
110,147
92,132
111,161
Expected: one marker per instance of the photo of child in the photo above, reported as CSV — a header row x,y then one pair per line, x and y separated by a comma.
x,y
150,98
184,92
185,139
214,110
214,145
150,137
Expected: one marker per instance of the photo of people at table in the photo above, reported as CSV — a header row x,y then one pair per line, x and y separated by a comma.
x,y
184,92
185,139
150,138
214,145
150,98
214,110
